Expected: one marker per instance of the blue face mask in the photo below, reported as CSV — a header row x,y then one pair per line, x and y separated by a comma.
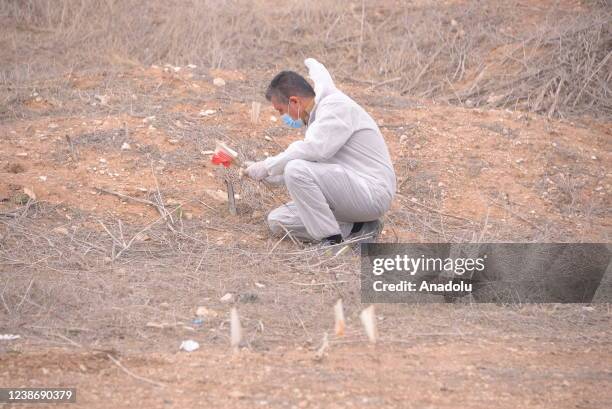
x,y
292,122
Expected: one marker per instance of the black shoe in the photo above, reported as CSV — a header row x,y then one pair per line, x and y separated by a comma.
x,y
332,240
366,231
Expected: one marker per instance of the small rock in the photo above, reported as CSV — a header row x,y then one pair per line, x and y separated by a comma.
x,y
126,146
191,66
61,230
53,125
403,139
103,99
149,119
206,312
273,118
229,297
42,178
189,345
594,157
219,82
38,99
30,193
267,138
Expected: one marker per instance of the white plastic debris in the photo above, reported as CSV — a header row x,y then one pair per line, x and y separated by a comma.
x,y
219,82
189,345
9,337
208,112
227,297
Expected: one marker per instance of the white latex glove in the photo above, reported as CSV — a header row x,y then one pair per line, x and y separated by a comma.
x,y
257,171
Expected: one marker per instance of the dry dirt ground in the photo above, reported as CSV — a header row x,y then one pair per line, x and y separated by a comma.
x,y
88,274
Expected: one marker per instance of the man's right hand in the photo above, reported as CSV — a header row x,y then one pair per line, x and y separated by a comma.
x,y
257,171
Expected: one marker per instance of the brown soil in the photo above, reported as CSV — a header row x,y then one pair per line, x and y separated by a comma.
x,y
507,175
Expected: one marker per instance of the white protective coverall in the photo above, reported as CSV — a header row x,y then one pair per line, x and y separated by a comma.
x,y
340,173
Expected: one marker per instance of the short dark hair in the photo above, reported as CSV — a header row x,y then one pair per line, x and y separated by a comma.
x,y
286,84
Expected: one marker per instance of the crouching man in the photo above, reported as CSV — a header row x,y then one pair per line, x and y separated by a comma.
x,y
340,177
